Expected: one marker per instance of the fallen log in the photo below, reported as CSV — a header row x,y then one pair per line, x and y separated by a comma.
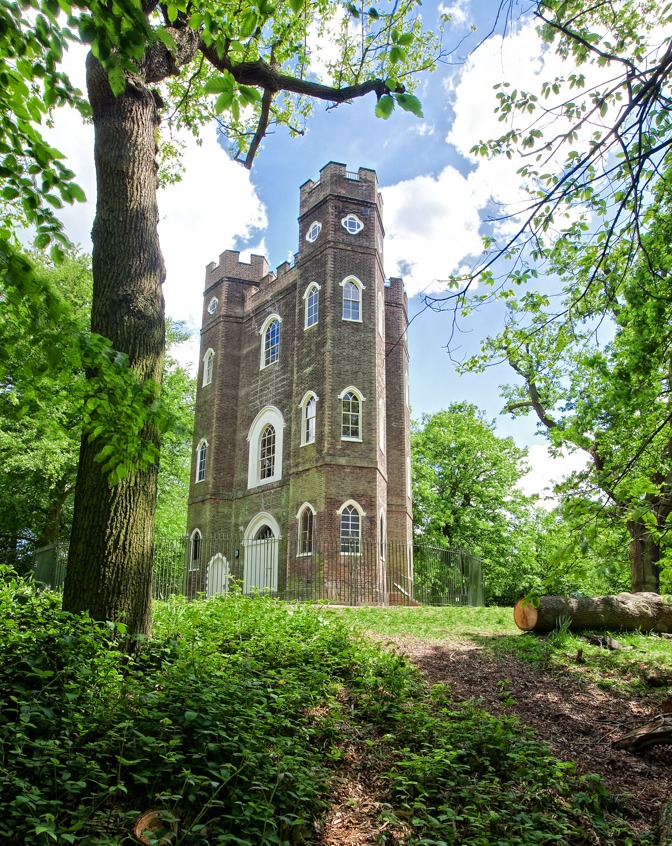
x,y
647,612
656,733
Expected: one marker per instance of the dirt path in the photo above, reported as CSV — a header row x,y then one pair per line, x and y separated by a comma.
x,y
574,717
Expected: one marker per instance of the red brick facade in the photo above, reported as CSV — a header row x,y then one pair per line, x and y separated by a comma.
x,y
369,354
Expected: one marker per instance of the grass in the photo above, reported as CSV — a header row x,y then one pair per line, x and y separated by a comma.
x,y
432,623
646,664
238,720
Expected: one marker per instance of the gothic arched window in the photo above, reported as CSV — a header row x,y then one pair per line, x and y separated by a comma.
x,y
270,340
201,459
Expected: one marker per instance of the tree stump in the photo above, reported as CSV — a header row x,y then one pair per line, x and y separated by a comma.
x,y
647,612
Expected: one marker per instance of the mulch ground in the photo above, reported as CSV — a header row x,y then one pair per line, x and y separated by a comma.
x,y
575,718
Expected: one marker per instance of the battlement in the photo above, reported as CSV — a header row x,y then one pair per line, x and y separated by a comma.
x,y
336,179
230,265
394,291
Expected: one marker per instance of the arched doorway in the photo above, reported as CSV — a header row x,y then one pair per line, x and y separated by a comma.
x,y
218,575
261,542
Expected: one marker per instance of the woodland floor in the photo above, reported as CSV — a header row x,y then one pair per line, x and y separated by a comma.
x,y
577,719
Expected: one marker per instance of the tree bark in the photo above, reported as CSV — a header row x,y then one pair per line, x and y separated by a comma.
x,y
644,554
112,542
631,611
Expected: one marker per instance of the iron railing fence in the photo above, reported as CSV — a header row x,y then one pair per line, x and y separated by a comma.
x,y
368,574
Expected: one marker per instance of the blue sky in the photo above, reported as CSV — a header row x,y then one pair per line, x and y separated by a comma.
x,y
436,197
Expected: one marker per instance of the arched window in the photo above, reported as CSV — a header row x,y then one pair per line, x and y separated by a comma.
x,y
351,527
312,300
270,340
352,299
208,364
381,424
195,545
308,418
351,414
265,452
382,536
306,518
201,458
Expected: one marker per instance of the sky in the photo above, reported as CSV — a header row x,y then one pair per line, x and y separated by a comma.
x,y
436,197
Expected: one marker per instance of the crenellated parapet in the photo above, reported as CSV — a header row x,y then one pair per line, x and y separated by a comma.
x,y
230,266
336,179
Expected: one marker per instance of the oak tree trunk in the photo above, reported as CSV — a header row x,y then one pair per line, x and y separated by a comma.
x,y
112,543
648,612
644,554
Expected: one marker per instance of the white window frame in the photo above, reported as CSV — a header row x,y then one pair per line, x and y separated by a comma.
x,y
383,534
201,460
306,507
352,224
307,397
312,288
350,504
353,280
381,424
356,392
195,563
212,305
208,366
266,325
268,415
313,231
381,314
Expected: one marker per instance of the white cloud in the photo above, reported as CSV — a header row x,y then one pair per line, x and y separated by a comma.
x,y
437,221
545,470
200,217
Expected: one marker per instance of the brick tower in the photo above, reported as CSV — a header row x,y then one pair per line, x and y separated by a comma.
x,y
301,466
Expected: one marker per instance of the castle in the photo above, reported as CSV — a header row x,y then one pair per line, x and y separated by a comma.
x,y
301,446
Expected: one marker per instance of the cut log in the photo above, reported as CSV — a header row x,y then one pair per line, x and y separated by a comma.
x,y
647,612
657,733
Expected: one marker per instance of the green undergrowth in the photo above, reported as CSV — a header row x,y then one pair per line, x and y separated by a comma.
x,y
231,722
643,667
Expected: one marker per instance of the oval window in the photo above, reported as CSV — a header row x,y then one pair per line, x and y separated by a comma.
x,y
313,231
212,307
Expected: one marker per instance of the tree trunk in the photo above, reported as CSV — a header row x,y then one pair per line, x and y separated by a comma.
x,y
112,542
648,612
644,554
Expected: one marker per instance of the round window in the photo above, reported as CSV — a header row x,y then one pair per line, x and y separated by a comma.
x,y
212,307
313,231
352,224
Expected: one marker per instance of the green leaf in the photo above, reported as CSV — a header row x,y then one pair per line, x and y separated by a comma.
x,y
385,106
296,5
166,38
224,101
117,79
409,103
217,84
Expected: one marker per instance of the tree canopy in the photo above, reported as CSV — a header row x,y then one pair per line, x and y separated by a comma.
x,y
594,367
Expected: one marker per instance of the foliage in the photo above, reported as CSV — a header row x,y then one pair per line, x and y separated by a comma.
x,y
179,390
465,495
594,140
231,720
593,365
40,405
43,397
